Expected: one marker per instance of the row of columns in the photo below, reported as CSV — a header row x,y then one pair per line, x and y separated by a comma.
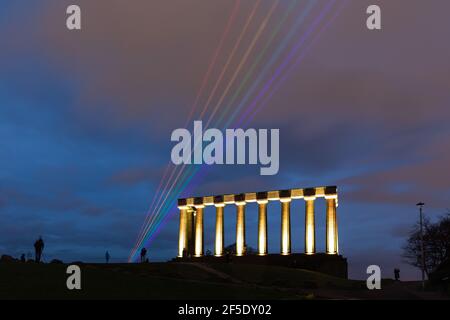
x,y
191,233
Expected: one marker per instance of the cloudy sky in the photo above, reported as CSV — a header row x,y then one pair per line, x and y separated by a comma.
x,y
86,118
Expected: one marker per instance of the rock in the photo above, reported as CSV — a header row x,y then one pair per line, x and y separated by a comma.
x,y
6,259
56,261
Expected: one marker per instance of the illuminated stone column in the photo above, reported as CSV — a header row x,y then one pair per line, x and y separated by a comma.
x,y
310,241
336,229
182,239
285,199
198,227
219,244
262,222
190,231
331,223
331,235
240,224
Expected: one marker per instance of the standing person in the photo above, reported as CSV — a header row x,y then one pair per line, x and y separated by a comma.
x,y
143,254
107,256
38,248
397,274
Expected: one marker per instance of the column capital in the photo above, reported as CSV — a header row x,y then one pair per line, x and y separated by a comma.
x,y
219,201
285,195
182,204
310,198
239,199
309,192
261,197
198,201
331,192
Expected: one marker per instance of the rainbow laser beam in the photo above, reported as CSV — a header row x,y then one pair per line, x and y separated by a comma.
x,y
211,65
285,63
213,60
177,191
188,178
296,64
249,19
243,61
272,60
230,57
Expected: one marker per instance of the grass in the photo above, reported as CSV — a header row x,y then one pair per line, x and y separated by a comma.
x,y
285,277
116,281
183,281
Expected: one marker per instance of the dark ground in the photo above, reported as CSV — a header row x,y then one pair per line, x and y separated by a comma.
x,y
191,281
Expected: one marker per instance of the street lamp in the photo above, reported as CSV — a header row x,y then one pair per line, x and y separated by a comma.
x,y
420,205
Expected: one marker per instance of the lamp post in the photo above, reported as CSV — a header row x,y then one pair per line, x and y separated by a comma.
x,y
420,205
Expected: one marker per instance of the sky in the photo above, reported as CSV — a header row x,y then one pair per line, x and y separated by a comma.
x,y
86,118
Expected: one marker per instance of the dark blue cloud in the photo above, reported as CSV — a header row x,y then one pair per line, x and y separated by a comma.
x,y
85,122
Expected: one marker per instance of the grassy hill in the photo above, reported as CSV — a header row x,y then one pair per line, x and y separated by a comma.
x,y
187,281
122,281
285,277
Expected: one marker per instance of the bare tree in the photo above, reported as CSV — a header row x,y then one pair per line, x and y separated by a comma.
x,y
436,244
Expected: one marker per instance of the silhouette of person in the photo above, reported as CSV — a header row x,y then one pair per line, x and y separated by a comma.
x,y
184,253
143,254
397,274
107,257
38,248
22,257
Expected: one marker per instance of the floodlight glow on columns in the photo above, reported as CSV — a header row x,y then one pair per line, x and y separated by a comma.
x,y
310,241
285,199
191,229
239,200
219,243
261,198
182,239
331,224
199,206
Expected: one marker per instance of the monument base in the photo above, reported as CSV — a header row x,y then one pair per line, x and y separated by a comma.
x,y
334,265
